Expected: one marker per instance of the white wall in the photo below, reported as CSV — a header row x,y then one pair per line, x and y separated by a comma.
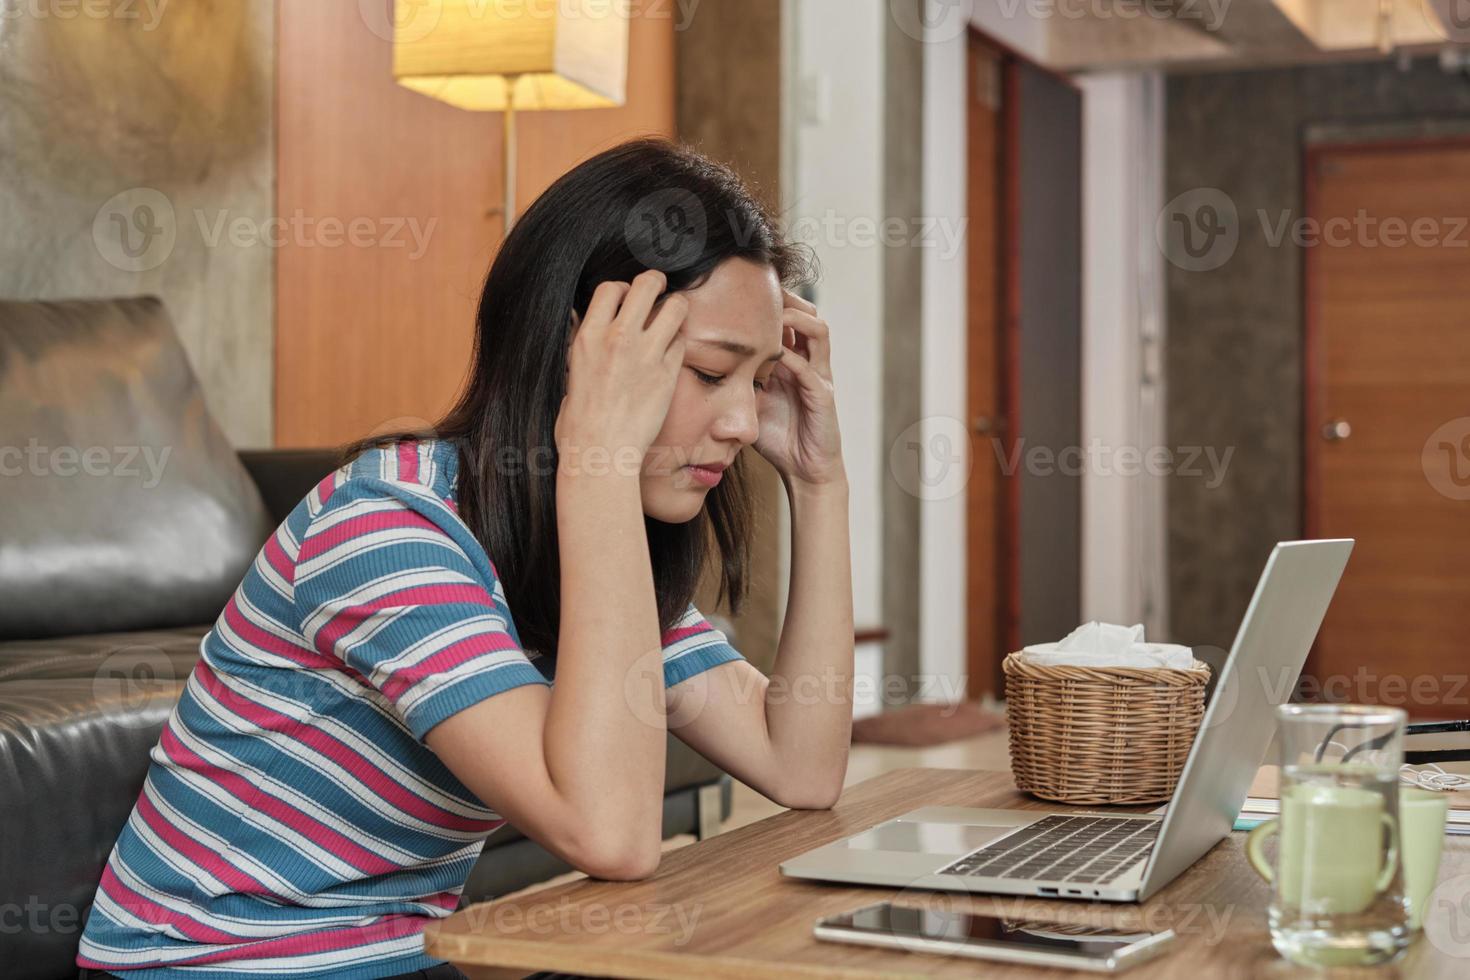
x,y
1122,321
942,520
1011,22
834,168
942,611
835,178
1123,518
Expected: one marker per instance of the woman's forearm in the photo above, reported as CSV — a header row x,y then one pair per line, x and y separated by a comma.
x,y
809,700
605,734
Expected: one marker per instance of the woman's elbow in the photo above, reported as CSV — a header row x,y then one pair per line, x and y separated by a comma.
x,y
618,860
810,795
814,787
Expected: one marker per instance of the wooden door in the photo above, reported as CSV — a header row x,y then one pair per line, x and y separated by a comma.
x,y
984,612
1387,415
1024,271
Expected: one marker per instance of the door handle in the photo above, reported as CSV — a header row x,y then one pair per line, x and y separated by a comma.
x,y
1336,430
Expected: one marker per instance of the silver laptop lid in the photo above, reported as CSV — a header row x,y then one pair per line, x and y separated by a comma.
x,y
1265,662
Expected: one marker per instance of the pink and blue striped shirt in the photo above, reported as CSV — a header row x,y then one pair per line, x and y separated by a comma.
x,y
293,822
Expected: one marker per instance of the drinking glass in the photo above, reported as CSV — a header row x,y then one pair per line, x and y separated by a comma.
x,y
1337,882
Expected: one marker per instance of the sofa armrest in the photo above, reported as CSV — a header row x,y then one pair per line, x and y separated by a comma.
x,y
284,476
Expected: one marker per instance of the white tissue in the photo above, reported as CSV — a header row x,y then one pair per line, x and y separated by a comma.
x,y
1108,645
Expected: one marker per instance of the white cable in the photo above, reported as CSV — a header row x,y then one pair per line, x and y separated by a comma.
x,y
1432,777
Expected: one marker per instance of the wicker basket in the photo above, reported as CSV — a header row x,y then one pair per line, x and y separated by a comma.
x,y
1101,734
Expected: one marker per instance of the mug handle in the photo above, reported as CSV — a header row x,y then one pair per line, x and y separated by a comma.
x,y
1391,859
1257,840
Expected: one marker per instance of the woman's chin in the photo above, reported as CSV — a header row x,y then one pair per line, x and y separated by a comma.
x,y
675,506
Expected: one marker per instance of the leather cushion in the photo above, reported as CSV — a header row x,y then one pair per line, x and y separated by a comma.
x,y
125,506
73,757
167,655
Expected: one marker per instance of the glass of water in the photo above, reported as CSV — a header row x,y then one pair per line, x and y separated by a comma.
x,y
1337,885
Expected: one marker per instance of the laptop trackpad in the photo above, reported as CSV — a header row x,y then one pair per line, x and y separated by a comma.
x,y
924,837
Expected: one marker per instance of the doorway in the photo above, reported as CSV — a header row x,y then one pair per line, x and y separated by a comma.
x,y
1387,418
1024,341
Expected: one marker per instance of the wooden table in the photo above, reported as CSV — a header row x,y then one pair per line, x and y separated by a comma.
x,y
721,909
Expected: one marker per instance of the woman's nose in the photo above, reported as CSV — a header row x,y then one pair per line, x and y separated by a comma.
x,y
740,419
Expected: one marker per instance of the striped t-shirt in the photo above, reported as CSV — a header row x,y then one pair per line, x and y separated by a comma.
x,y
293,823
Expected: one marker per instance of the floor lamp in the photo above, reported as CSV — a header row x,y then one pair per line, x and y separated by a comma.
x,y
526,56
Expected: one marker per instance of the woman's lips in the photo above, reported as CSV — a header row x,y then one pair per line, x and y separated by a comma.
x,y
705,475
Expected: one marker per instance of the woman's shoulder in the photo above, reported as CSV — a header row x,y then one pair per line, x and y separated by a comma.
x,y
420,463
399,491
416,473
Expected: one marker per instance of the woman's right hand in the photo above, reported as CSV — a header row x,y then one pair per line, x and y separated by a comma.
x,y
622,368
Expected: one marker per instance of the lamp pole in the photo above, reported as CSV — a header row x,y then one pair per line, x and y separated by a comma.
x,y
509,143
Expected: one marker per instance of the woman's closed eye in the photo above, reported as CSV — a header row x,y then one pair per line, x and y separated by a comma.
x,y
714,379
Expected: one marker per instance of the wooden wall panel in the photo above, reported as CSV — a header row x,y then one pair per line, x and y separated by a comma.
x,y
374,325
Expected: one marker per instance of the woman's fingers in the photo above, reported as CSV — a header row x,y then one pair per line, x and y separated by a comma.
x,y
664,328
813,335
603,306
792,301
804,372
647,287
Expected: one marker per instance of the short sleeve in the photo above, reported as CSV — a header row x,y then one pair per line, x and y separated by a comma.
x,y
692,646
388,584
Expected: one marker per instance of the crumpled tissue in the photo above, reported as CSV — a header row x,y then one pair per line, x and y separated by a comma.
x,y
1097,644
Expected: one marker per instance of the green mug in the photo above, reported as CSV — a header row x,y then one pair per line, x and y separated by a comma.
x,y
1422,815
1331,859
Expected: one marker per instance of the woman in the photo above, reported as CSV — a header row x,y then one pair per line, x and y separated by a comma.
x,y
374,699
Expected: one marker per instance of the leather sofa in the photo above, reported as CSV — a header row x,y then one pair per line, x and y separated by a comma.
x,y
126,522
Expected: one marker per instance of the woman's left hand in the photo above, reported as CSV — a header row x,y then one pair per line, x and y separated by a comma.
x,y
798,411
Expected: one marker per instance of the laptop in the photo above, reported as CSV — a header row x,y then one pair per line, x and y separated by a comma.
x,y
1099,856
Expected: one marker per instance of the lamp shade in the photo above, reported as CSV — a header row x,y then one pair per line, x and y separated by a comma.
x,y
489,55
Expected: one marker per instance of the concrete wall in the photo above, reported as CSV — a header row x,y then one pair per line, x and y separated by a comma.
x,y
1234,356
133,137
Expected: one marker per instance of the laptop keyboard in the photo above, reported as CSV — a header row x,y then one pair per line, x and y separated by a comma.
x,y
1063,848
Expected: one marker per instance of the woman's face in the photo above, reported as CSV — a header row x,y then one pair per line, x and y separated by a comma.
x,y
732,339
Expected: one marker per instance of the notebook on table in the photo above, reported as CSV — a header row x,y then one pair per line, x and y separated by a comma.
x,y
1264,802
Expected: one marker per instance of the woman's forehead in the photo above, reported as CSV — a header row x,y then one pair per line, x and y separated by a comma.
x,y
740,303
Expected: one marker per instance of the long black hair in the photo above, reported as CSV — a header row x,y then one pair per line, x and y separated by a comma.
x,y
647,203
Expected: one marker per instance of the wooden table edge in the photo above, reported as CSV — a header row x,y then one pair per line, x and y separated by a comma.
x,y
534,956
